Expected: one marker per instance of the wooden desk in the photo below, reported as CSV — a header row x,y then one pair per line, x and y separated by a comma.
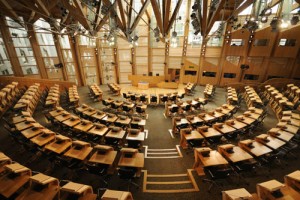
x,y
24,125
58,111
46,137
210,132
116,195
140,136
99,115
107,158
270,141
281,134
254,148
194,120
237,155
11,184
143,85
84,127
206,117
89,112
18,119
192,135
79,154
246,120
82,108
72,121
60,144
152,80
236,124
98,131
137,160
50,188
224,128
117,135
63,117
32,132
214,159
265,189
84,192
293,179
110,119
236,194
124,122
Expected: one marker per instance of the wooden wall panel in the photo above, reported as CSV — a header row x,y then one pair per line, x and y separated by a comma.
x,y
265,33
279,67
237,50
291,51
256,67
208,67
229,67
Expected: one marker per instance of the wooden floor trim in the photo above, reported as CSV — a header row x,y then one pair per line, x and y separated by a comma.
x,y
171,191
166,175
168,182
156,153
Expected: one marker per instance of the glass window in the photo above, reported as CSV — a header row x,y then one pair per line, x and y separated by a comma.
x,y
64,42
236,42
261,42
48,51
23,47
5,65
45,39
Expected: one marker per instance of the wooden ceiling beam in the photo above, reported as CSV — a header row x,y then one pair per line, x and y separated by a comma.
x,y
106,17
122,12
98,13
242,7
214,16
173,18
157,15
147,13
12,12
43,7
204,17
129,14
84,21
112,11
140,15
166,14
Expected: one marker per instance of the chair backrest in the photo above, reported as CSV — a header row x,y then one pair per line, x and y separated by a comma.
x,y
126,172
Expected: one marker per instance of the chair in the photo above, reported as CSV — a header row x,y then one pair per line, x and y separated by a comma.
x,y
128,173
126,109
164,99
187,108
216,173
106,104
153,100
143,99
99,170
195,143
140,111
181,96
133,98
174,111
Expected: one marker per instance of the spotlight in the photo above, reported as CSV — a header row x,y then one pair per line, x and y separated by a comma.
x,y
264,19
284,24
174,34
195,7
135,38
193,16
268,12
274,24
294,20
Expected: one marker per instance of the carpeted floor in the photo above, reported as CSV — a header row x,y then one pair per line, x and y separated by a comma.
x,y
158,138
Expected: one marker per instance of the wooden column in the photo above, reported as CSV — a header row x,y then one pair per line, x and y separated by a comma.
x,y
16,67
37,52
99,61
133,60
116,59
150,69
60,57
75,47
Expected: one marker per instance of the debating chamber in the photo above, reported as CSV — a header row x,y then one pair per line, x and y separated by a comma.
x,y
149,99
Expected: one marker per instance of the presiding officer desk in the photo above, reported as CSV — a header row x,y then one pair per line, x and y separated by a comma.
x,y
152,80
